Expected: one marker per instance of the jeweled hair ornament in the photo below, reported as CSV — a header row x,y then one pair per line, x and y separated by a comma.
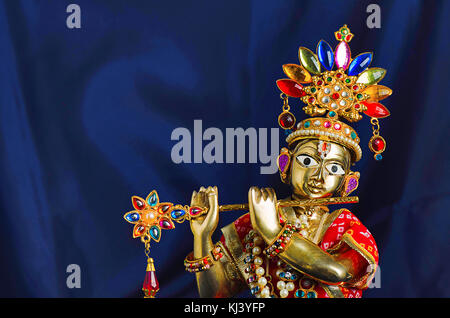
x,y
335,86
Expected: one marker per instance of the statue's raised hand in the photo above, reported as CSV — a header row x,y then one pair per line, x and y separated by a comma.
x,y
263,212
204,226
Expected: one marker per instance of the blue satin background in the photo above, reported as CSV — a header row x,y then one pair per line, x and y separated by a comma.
x,y
86,118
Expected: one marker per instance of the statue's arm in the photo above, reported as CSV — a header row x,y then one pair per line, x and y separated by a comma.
x,y
222,280
301,253
217,281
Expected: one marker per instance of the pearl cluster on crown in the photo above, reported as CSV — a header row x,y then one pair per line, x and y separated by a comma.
x,y
328,129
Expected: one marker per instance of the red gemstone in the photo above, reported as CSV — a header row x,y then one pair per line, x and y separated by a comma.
x,y
339,36
327,124
335,96
376,110
195,210
311,100
338,75
287,120
306,283
355,87
356,106
290,88
138,204
337,126
151,284
347,38
139,230
319,82
378,144
163,208
165,224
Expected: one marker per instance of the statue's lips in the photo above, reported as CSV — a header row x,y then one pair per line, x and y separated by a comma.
x,y
314,189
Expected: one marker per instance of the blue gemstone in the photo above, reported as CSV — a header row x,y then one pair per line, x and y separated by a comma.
x,y
282,274
176,214
359,64
311,295
133,217
332,114
378,157
299,293
325,54
152,200
155,232
255,290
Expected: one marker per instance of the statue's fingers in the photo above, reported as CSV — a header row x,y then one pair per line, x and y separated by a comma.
x,y
213,206
193,197
264,194
255,194
272,194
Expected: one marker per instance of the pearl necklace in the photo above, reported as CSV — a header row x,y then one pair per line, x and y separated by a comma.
x,y
259,284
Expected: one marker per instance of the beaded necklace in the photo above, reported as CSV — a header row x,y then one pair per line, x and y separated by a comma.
x,y
260,281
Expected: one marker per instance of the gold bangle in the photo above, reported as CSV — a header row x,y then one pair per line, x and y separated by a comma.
x,y
192,264
282,241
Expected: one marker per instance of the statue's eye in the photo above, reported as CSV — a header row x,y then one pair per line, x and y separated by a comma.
x,y
306,161
335,168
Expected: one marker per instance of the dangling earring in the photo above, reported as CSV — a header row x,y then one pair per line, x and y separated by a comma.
x,y
286,119
283,163
350,184
377,144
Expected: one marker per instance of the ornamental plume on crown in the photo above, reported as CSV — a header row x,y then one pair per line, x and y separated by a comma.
x,y
344,93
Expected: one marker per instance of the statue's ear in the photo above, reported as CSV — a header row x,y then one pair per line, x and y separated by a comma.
x,y
350,183
284,164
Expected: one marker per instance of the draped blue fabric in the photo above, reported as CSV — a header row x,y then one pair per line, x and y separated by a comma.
x,y
87,115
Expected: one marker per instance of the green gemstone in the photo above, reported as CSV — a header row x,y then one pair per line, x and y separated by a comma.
x,y
309,60
353,135
329,79
347,80
307,124
313,90
371,76
359,96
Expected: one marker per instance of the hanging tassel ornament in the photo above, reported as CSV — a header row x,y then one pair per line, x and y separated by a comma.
x,y
377,144
151,284
286,119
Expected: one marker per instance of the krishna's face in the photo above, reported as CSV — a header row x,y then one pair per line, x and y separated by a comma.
x,y
318,168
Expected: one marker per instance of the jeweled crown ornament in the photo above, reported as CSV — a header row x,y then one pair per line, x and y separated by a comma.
x,y
339,87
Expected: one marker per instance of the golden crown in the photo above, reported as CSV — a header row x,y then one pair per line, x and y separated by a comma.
x,y
344,93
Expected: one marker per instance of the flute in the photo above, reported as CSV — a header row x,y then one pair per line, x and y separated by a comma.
x,y
294,203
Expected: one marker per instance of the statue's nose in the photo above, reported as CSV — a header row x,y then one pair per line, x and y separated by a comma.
x,y
317,177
